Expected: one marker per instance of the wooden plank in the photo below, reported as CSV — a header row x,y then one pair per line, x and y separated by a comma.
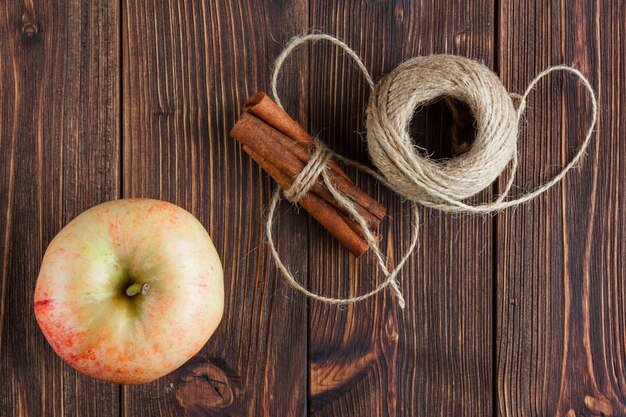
x,y
561,304
188,67
373,359
59,146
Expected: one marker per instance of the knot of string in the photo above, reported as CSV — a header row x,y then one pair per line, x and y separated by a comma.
x,y
409,171
303,182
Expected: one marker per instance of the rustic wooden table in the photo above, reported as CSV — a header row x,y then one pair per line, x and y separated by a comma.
x,y
521,314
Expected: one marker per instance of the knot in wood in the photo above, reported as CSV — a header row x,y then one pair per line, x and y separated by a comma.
x,y
203,387
29,30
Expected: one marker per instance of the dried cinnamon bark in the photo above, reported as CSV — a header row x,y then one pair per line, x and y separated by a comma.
x,y
274,146
264,108
321,211
282,148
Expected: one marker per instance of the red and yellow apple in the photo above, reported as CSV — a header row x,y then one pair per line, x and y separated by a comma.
x,y
130,290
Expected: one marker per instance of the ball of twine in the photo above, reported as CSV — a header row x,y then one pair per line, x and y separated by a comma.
x,y
409,171
418,82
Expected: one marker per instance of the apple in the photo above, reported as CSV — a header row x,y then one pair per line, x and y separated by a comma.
x,y
130,290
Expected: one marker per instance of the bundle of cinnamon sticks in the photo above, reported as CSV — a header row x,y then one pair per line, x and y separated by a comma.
x,y
282,148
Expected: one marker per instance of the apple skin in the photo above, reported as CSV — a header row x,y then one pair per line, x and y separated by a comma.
x,y
88,319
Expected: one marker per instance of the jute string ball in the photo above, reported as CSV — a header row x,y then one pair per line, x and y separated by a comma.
x,y
409,171
418,82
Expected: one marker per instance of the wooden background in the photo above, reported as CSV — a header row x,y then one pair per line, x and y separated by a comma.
x,y
521,314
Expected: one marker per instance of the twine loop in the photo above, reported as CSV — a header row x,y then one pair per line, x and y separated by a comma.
x,y
408,170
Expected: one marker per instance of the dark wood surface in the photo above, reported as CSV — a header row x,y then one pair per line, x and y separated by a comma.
x,y
521,314
560,277
60,153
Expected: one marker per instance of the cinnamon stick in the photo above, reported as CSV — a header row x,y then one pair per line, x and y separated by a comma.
x,y
261,138
319,187
282,148
263,107
285,182
325,214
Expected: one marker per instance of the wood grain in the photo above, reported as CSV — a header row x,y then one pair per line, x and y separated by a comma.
x,y
561,304
188,68
519,315
374,359
59,147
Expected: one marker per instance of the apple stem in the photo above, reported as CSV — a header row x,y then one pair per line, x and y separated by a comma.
x,y
137,288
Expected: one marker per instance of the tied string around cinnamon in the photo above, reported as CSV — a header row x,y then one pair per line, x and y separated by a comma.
x,y
301,185
409,172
